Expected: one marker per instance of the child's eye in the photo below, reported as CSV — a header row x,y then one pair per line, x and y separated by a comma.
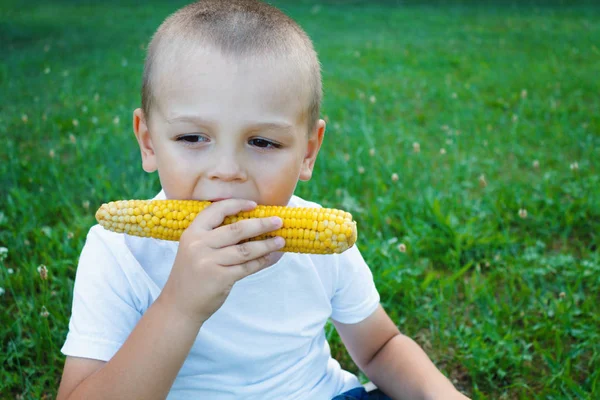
x,y
191,139
264,143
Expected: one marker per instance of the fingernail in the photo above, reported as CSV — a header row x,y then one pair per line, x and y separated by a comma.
x,y
279,241
276,221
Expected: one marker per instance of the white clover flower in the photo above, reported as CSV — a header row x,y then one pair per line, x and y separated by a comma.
x,y
43,271
44,313
523,213
482,181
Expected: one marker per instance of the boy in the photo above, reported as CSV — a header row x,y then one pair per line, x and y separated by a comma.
x,y
230,114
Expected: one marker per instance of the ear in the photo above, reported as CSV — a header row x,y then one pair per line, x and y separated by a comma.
x,y
312,150
142,134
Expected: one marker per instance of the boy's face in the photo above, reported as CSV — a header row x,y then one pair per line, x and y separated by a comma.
x,y
228,128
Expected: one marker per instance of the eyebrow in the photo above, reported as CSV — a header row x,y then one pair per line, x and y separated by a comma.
x,y
189,118
273,126
268,125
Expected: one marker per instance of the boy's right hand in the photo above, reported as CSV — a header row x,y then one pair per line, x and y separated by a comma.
x,y
209,260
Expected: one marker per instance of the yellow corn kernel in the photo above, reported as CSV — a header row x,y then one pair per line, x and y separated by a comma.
x,y
306,230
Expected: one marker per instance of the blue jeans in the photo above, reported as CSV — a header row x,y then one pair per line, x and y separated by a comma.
x,y
360,393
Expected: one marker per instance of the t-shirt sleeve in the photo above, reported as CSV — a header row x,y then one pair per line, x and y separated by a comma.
x,y
355,296
105,308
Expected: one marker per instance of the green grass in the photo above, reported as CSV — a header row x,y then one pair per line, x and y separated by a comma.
x,y
506,306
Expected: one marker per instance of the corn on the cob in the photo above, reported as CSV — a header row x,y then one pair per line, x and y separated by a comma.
x,y
305,230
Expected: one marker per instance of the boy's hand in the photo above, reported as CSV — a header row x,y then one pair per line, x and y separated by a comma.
x,y
209,261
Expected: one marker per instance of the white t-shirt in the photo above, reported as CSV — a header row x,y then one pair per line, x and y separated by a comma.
x,y
267,341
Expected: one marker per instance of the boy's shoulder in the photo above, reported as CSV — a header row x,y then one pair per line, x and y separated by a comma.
x,y
297,201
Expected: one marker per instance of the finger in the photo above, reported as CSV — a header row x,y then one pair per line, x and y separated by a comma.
x,y
214,215
231,234
250,267
248,251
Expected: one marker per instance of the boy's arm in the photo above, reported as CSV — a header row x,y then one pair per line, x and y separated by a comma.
x,y
145,366
394,362
209,260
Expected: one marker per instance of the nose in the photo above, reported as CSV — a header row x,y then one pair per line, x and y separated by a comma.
x,y
227,168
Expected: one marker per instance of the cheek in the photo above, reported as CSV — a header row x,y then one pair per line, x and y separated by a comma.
x,y
277,180
280,166
174,168
174,156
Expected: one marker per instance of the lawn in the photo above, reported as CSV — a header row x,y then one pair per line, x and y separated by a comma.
x,y
465,140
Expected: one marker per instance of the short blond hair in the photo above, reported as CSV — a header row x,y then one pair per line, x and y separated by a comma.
x,y
237,28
